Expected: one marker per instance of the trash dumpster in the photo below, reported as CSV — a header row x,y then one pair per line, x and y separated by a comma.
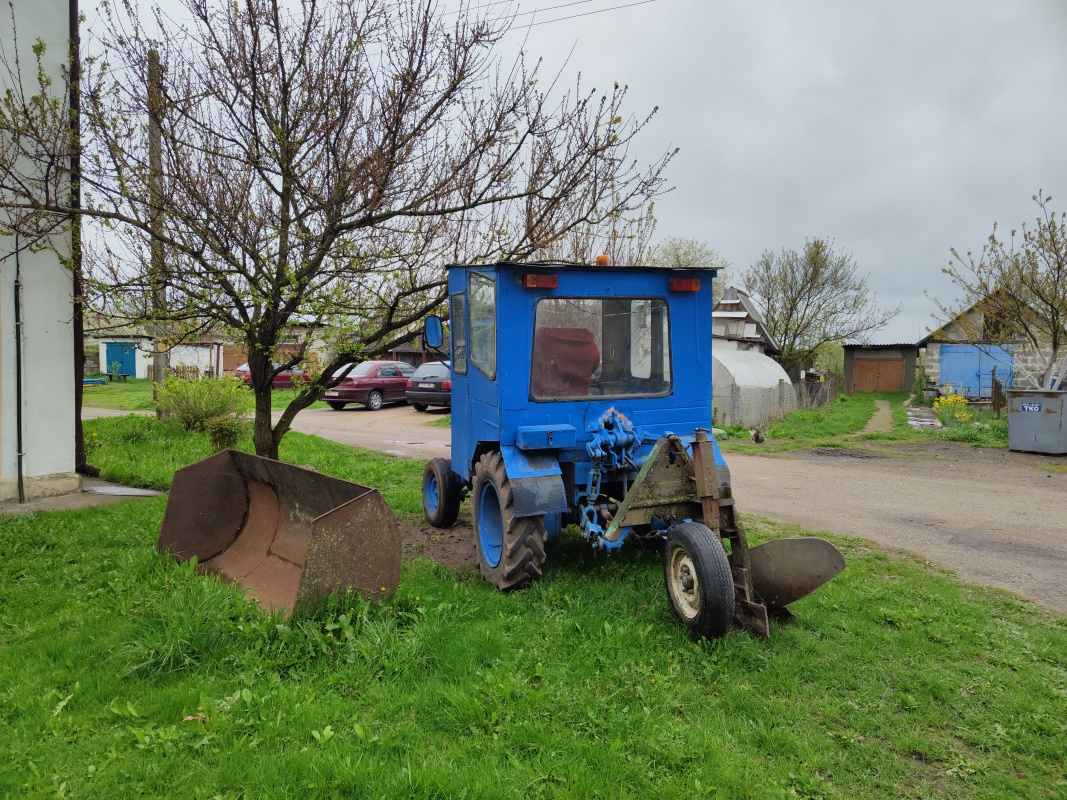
x,y
1036,421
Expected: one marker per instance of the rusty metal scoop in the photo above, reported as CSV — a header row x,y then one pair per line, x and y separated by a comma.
x,y
287,534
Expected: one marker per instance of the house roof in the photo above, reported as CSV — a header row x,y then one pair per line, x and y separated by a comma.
x,y
736,317
891,346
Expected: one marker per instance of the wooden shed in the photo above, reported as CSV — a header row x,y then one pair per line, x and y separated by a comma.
x,y
880,367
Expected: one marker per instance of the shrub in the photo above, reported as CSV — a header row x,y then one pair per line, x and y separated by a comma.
x,y
215,406
918,386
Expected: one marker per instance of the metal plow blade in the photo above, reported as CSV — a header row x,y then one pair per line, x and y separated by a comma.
x,y
785,570
288,535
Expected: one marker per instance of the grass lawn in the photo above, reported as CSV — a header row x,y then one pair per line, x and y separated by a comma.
x,y
128,395
840,424
136,395
123,674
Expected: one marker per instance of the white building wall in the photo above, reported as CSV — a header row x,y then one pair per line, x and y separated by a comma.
x,y
47,341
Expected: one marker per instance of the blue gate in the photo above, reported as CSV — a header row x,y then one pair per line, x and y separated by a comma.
x,y
969,367
122,358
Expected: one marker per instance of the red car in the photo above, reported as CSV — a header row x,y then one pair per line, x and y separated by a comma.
x,y
372,383
283,380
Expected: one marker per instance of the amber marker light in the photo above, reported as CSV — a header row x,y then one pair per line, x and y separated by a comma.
x,y
683,284
534,281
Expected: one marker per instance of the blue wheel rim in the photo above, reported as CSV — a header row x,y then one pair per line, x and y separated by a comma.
x,y
490,525
430,494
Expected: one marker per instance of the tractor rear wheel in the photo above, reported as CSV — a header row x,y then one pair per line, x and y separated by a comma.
x,y
441,493
700,585
511,551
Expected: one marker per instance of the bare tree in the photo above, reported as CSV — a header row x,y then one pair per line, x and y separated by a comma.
x,y
321,161
683,252
812,298
1018,292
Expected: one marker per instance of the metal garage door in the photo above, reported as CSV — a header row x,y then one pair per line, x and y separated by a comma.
x,y
969,368
878,375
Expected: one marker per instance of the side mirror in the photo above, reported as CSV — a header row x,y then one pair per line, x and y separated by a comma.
x,y
433,331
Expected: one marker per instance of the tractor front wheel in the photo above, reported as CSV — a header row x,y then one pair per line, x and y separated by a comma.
x,y
511,551
442,492
699,583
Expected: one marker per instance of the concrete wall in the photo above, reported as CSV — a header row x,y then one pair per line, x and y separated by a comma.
x,y
47,340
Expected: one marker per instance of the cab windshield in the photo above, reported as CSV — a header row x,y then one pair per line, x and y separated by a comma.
x,y
607,347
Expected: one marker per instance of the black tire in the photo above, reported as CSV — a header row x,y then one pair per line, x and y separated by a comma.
x,y
699,584
511,551
441,493
420,407
335,405
375,400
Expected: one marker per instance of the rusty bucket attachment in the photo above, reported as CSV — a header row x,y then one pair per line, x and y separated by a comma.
x,y
288,535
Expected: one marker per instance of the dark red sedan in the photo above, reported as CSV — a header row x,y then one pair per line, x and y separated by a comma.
x,y
283,380
372,383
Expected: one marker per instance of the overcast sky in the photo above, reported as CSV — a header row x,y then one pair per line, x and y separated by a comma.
x,y
897,128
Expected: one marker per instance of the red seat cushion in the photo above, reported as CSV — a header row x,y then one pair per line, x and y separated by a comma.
x,y
564,361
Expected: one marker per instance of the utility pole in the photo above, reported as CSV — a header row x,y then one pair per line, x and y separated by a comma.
x,y
161,357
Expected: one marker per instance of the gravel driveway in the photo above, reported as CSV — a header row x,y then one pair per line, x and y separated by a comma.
x,y
994,517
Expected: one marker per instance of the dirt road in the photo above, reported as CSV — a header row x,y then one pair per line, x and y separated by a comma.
x,y
994,517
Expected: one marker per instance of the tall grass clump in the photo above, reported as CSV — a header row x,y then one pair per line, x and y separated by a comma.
x,y
215,406
190,621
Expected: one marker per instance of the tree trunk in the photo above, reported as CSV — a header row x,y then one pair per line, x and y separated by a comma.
x,y
263,436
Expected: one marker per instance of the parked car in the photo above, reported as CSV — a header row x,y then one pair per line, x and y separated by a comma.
x,y
372,383
283,380
431,385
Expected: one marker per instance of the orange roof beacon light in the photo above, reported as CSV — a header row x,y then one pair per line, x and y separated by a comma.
x,y
534,281
603,260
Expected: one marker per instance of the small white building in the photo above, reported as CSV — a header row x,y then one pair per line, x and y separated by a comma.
x,y
131,354
37,415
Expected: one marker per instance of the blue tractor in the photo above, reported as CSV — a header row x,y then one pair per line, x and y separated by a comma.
x,y
581,395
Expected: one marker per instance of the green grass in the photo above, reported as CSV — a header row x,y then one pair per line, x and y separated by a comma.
x,y
136,395
893,681
839,424
128,395
140,451
123,675
816,427
441,422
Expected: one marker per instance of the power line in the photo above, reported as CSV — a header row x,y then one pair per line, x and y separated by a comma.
x,y
551,8
590,13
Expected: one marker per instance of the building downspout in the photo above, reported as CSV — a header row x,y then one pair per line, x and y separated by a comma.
x,y
18,373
